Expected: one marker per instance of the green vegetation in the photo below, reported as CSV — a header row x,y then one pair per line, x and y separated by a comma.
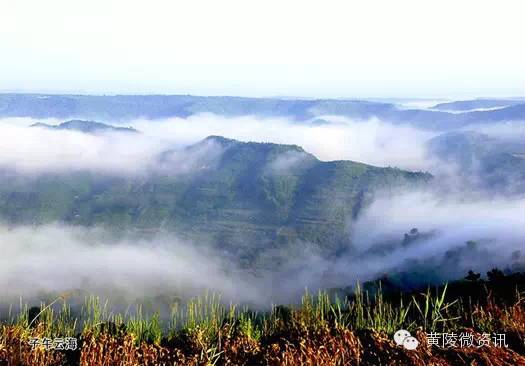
x,y
243,197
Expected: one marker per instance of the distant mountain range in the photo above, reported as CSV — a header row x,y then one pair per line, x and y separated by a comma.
x,y
486,162
121,108
246,198
469,105
85,126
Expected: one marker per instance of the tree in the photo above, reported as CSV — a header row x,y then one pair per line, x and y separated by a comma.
x,y
495,275
472,276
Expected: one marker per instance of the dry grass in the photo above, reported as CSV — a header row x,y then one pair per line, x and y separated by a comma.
x,y
320,331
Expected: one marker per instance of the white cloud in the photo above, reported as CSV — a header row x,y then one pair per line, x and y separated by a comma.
x,y
373,141
60,258
467,219
56,259
35,150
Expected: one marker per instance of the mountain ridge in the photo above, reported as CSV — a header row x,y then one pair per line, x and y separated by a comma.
x,y
85,126
244,197
121,108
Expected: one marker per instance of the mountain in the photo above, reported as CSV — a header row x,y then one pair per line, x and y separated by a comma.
x,y
511,113
85,126
125,107
488,163
469,105
247,198
122,108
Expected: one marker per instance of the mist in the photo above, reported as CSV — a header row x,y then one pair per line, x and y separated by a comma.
x,y
329,138
57,258
453,236
32,150
497,225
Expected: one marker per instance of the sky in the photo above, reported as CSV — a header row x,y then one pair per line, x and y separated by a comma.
x,y
403,48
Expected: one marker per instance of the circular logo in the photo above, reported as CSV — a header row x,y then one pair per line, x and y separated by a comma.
x,y
410,343
400,336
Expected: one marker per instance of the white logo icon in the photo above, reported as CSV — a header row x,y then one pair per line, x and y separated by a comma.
x,y
410,343
404,338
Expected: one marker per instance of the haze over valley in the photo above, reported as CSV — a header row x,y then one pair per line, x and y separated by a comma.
x,y
257,199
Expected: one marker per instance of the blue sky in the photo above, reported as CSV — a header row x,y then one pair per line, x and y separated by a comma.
x,y
404,48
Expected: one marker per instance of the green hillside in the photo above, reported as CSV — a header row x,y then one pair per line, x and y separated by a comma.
x,y
245,197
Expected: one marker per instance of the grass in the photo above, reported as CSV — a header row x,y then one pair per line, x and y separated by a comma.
x,y
205,330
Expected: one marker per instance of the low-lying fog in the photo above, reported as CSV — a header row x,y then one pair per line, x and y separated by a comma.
x,y
57,258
